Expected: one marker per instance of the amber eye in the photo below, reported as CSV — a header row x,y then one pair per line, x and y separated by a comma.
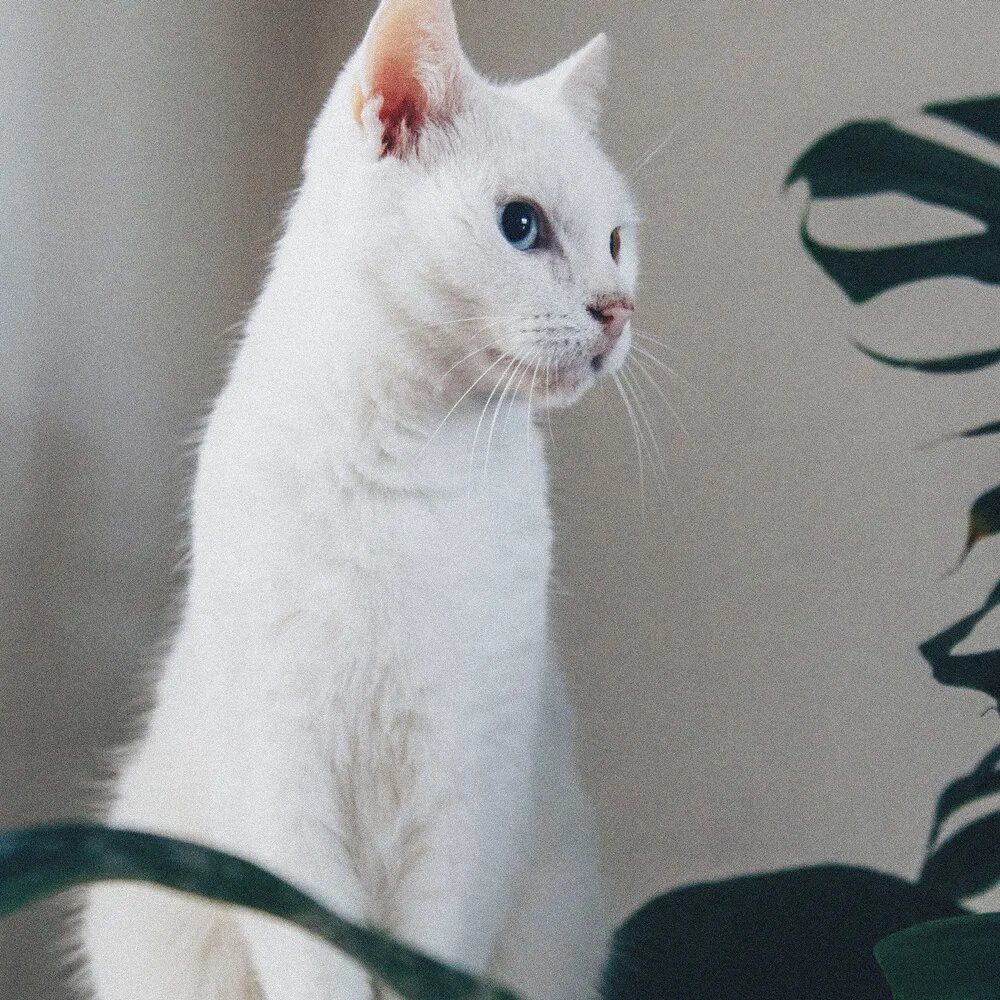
x,y
616,244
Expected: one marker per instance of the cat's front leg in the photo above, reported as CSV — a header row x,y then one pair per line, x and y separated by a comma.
x,y
291,824
437,874
290,964
456,892
556,939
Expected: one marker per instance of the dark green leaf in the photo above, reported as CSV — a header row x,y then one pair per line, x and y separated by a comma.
x,y
983,430
951,959
804,934
983,781
864,274
979,671
967,863
939,366
51,859
978,114
984,520
874,157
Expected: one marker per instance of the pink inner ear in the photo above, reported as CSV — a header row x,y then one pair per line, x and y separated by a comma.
x,y
393,65
404,100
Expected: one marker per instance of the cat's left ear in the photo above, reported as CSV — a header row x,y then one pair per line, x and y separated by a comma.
x,y
413,72
579,81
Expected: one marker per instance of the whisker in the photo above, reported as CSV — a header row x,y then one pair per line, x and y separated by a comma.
x,y
663,395
468,357
644,417
458,403
496,415
493,319
639,349
646,159
602,387
531,392
517,389
548,399
635,434
660,343
482,416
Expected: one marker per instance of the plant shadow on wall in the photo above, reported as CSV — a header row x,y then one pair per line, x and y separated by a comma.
x,y
807,933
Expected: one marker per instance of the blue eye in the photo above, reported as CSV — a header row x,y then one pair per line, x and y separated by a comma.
x,y
521,225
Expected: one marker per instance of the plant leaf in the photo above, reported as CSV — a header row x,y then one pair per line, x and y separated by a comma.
x,y
957,958
978,671
46,860
865,274
939,366
874,157
981,782
798,934
967,863
984,521
976,114
983,430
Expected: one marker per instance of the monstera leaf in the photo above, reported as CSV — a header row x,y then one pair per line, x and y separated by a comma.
x,y
47,860
955,959
874,157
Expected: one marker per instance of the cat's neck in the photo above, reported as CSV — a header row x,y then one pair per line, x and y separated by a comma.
x,y
378,419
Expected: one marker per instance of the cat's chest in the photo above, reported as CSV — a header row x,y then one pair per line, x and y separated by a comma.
x,y
461,577
448,538
468,575
440,567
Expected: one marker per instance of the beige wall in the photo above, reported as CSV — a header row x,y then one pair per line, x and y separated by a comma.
x,y
741,639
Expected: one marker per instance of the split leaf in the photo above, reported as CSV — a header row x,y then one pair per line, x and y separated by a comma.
x,y
874,157
983,430
980,783
784,935
967,863
978,671
953,365
984,521
980,115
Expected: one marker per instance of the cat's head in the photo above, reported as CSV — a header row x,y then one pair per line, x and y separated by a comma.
x,y
486,214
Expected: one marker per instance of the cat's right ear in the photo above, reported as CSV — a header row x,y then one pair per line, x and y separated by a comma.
x,y
412,72
577,82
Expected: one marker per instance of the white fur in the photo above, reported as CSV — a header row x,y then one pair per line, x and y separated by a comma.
x,y
360,695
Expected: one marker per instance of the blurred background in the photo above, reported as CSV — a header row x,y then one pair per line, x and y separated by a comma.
x,y
739,627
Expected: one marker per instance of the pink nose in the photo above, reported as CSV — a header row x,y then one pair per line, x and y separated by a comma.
x,y
613,315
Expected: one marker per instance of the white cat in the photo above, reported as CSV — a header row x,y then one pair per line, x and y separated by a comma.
x,y
361,695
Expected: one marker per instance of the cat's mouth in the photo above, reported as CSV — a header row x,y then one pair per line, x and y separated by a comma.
x,y
543,381
564,380
559,383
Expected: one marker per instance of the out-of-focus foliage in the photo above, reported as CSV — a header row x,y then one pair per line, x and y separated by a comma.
x,y
47,860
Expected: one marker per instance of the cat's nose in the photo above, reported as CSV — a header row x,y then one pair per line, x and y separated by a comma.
x,y
613,315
